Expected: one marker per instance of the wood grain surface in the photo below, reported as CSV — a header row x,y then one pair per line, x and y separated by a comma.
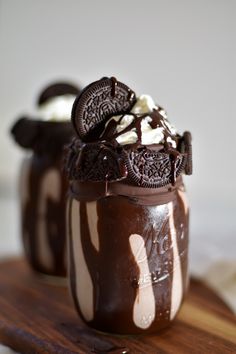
x,y
36,317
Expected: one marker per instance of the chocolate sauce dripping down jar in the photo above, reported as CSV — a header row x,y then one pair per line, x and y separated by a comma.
x,y
128,259
43,187
128,242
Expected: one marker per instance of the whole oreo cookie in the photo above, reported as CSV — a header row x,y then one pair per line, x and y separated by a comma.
x,y
98,102
152,169
57,89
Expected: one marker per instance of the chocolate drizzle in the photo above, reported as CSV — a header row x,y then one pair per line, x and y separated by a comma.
x,y
147,166
110,132
101,158
113,86
115,273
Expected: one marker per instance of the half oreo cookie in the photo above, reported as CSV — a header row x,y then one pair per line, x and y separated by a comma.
x,y
98,102
187,138
152,169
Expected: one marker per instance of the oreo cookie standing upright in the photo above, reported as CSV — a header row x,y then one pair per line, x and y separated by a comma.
x,y
96,103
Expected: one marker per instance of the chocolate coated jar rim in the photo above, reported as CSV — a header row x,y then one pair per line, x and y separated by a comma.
x,y
93,191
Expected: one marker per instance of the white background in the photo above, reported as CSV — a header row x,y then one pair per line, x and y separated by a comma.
x,y
181,52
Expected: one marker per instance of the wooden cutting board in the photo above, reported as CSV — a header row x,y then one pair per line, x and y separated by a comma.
x,y
36,317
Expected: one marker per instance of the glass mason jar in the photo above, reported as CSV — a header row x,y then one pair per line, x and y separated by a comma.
x,y
43,187
128,255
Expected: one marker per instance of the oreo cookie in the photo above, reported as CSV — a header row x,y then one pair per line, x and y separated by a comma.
x,y
186,148
153,169
96,162
57,89
97,103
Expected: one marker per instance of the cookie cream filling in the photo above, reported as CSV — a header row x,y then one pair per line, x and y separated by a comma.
x,y
56,108
144,104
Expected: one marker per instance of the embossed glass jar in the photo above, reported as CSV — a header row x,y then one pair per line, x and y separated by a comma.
x,y
43,187
128,254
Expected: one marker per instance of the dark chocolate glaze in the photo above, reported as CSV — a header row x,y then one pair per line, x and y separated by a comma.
x,y
109,134
90,191
157,120
113,269
113,86
97,157
149,166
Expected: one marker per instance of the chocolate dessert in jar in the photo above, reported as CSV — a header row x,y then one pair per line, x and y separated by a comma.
x,y
127,213
43,184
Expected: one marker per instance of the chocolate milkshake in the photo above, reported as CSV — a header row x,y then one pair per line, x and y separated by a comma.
x,y
43,185
127,211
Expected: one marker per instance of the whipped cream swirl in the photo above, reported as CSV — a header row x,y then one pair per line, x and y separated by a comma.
x,y
144,105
